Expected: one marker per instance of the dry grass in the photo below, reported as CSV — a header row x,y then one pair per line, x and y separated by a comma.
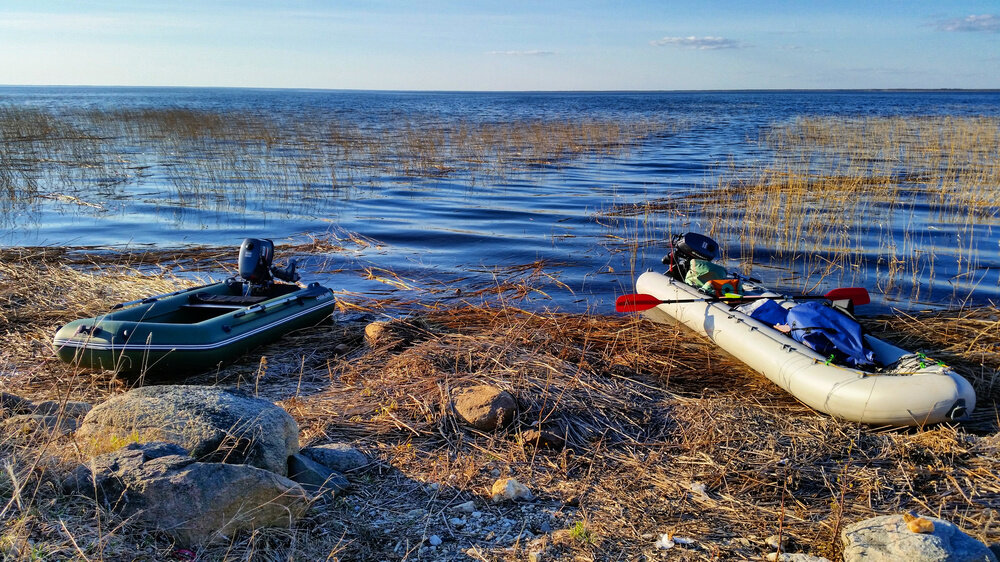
x,y
650,413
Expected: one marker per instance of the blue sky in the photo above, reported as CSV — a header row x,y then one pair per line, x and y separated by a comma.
x,y
503,45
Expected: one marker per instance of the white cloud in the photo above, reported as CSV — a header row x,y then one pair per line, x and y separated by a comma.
x,y
707,43
534,53
986,23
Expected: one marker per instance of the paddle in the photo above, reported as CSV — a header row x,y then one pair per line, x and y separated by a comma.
x,y
640,302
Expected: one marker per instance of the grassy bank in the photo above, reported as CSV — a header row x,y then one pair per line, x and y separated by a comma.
x,y
664,433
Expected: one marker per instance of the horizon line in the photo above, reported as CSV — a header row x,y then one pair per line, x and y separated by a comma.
x,y
579,91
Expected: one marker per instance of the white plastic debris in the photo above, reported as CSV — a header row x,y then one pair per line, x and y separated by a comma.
x,y
665,542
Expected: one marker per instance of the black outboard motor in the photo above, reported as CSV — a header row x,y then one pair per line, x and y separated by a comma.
x,y
255,260
687,247
256,269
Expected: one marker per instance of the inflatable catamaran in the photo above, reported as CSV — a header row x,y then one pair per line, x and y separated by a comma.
x,y
194,330
865,379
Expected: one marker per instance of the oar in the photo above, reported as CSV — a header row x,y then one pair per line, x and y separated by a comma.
x,y
640,302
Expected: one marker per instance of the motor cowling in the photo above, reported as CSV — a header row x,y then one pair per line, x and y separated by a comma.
x,y
255,260
687,247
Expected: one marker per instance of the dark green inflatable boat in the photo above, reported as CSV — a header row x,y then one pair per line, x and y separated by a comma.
x,y
195,330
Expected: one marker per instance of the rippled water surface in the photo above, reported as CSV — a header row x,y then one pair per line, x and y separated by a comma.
x,y
549,226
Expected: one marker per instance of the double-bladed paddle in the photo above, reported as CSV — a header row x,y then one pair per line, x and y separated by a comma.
x,y
640,302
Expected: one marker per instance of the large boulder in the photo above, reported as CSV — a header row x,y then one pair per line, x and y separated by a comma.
x,y
215,425
888,538
485,407
159,485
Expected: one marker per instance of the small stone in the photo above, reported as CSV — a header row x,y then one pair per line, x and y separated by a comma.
x,y
495,472
434,540
341,349
477,514
774,542
338,456
316,478
485,407
70,409
374,331
510,489
545,527
457,522
543,439
797,557
15,403
467,507
416,513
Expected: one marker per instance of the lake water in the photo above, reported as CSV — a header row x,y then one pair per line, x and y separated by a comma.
x,y
546,227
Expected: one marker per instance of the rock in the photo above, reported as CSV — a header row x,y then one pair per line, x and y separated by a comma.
x,y
467,507
195,502
774,542
70,409
543,439
212,423
785,557
434,540
316,478
484,407
510,489
14,404
338,456
34,425
374,331
887,538
396,334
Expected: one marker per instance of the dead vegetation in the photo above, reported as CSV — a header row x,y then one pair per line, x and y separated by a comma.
x,y
664,434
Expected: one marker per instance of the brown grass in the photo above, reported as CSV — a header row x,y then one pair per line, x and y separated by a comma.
x,y
650,413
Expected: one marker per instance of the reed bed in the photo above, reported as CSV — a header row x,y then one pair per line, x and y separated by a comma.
x,y
219,159
664,434
893,202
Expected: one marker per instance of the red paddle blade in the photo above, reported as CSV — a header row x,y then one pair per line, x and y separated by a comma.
x,y
857,295
636,303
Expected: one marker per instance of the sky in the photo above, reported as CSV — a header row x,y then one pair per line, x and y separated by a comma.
x,y
503,45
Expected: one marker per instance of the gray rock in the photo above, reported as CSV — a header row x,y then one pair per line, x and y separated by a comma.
x,y
338,456
887,538
27,426
14,404
485,407
213,424
193,501
316,478
70,409
795,557
543,438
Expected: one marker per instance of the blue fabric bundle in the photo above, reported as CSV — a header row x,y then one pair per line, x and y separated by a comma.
x,y
830,333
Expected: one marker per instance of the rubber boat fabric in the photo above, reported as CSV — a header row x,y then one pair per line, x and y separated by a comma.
x,y
860,378
194,330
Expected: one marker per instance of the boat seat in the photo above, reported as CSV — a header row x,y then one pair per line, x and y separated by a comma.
x,y
208,300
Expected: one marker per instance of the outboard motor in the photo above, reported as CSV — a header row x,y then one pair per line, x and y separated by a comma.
x,y
256,269
255,260
687,247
